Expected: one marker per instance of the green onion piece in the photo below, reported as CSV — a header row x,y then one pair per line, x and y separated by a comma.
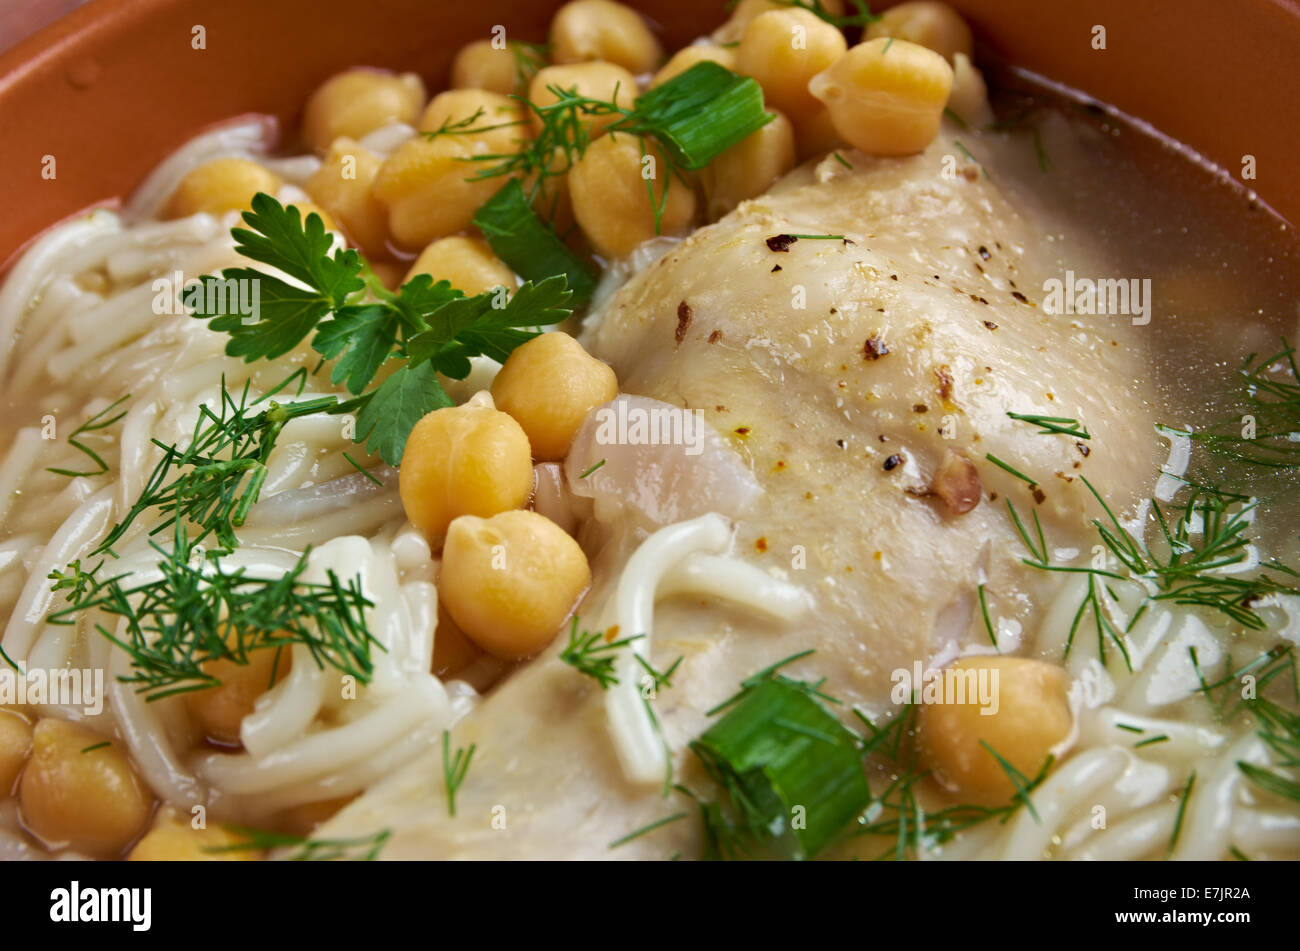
x,y
699,114
792,768
531,248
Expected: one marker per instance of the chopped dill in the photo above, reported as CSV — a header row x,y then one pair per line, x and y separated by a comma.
x,y
1062,425
95,424
1161,738
589,653
1182,809
454,769
658,823
1007,467
988,621
359,849
365,472
195,611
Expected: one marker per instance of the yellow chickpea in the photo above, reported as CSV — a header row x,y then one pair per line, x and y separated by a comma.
x,y
689,56
815,134
467,263
501,117
342,186
358,101
746,10
220,710
554,201
88,799
886,101
601,29
611,200
173,839
749,167
15,745
221,185
605,81
783,49
511,581
391,275
452,650
480,65
426,187
549,385
1032,716
936,26
969,99
307,208
463,460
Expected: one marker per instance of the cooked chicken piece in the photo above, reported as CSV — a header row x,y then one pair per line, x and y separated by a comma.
x,y
859,336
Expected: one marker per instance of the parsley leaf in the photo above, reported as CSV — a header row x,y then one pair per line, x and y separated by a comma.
x,y
474,326
430,325
284,314
361,337
389,414
300,249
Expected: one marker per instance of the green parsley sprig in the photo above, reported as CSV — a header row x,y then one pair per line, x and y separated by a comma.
x,y
429,327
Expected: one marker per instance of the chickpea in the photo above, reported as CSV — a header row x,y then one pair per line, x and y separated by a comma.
x,y
426,187
601,29
468,263
15,745
605,81
173,839
342,186
749,167
480,65
783,49
503,116
219,711
221,185
689,56
511,580
358,101
549,385
463,460
936,26
90,799
886,103
1033,715
391,275
746,10
306,208
969,99
815,134
611,201
452,650
554,202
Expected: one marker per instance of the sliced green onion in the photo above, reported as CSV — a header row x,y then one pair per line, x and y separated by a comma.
x,y
792,769
700,113
532,249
